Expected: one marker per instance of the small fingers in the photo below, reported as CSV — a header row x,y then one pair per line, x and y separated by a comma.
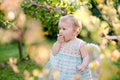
x,y
80,68
60,38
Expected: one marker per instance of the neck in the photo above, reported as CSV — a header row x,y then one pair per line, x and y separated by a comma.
x,y
73,38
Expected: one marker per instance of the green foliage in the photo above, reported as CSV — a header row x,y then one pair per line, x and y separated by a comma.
x,y
48,12
4,23
6,72
9,50
2,20
116,76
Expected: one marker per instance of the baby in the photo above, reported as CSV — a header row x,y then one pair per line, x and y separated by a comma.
x,y
69,56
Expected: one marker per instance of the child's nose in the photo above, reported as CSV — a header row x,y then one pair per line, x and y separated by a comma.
x,y
60,31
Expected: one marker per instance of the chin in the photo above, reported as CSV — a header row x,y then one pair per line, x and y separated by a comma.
x,y
67,40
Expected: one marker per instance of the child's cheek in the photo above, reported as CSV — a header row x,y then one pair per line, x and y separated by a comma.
x,y
66,38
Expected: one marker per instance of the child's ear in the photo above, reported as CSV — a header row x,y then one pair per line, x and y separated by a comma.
x,y
76,31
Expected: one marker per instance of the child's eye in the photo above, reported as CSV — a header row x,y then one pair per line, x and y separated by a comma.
x,y
64,28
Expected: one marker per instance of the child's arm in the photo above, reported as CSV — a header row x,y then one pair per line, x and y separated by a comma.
x,y
85,57
57,45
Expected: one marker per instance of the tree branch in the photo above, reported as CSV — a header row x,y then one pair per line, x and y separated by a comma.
x,y
112,37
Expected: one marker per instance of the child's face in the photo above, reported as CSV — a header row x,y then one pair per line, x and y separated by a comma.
x,y
66,30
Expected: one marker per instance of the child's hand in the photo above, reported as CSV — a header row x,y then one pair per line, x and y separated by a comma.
x,y
57,45
81,68
60,38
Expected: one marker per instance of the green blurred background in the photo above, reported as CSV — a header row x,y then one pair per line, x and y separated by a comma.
x,y
28,28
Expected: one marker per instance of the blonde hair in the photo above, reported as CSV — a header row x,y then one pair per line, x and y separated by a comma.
x,y
76,24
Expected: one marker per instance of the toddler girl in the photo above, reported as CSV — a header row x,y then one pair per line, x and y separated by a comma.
x,y
69,56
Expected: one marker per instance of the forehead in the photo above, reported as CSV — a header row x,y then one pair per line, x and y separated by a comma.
x,y
65,24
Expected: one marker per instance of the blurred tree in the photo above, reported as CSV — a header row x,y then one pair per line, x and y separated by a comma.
x,y
9,17
14,26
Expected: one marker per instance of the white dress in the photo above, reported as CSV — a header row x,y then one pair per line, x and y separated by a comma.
x,y
66,60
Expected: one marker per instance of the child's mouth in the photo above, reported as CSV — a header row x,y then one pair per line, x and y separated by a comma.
x,y
60,35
